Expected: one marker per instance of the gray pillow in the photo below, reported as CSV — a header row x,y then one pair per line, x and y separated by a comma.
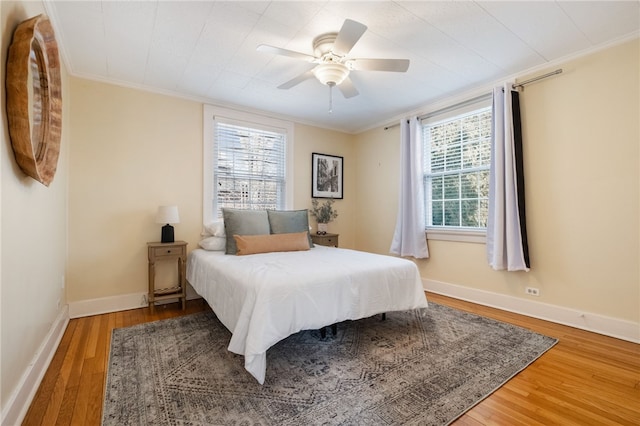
x,y
243,222
289,221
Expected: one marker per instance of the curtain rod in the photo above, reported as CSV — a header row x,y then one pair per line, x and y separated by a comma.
x,y
483,97
449,108
391,126
540,77
514,86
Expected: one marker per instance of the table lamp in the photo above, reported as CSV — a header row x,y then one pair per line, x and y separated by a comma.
x,y
167,215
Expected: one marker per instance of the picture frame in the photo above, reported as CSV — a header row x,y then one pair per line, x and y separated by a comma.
x,y
327,176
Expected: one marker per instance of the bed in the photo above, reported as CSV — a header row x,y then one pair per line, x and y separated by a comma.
x,y
263,298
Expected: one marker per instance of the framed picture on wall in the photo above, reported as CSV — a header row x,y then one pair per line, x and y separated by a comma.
x,y
326,176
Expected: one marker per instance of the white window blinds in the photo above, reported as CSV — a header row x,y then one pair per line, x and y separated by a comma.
x,y
249,167
456,167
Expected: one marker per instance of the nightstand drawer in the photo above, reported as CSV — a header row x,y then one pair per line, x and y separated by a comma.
x,y
330,240
167,251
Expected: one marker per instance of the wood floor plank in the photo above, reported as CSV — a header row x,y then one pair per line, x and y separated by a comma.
x,y
70,406
504,411
601,398
93,337
119,320
83,393
40,402
581,376
585,379
111,325
467,421
100,354
94,409
65,381
67,407
591,406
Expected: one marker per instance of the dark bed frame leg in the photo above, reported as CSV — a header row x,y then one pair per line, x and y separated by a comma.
x,y
384,316
323,331
334,328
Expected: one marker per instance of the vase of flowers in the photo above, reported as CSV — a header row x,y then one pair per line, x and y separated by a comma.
x,y
324,213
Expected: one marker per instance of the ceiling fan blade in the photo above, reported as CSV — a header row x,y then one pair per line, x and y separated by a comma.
x,y
395,65
348,36
296,80
285,52
348,89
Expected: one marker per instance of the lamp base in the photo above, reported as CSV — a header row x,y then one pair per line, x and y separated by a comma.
x,y
167,234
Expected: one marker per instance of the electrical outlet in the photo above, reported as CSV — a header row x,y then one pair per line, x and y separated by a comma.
x,y
58,305
532,291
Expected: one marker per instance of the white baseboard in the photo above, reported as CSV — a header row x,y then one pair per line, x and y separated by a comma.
x,y
18,403
123,302
613,327
104,305
16,408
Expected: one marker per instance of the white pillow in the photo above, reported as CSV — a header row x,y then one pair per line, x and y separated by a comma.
x,y
213,243
215,228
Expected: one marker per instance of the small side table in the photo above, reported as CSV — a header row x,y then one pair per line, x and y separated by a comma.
x,y
330,240
168,251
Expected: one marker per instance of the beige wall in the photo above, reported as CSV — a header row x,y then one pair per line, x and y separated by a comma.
x,y
33,235
133,151
313,139
581,146
378,183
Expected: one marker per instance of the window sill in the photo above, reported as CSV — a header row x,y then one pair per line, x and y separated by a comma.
x,y
459,235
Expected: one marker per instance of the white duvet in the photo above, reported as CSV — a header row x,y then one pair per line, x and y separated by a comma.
x,y
263,298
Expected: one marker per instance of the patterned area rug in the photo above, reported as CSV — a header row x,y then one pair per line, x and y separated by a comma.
x,y
410,369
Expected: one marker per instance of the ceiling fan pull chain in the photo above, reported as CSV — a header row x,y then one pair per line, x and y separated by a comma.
x,y
331,98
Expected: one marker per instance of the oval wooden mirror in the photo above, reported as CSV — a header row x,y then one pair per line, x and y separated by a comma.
x,y
34,98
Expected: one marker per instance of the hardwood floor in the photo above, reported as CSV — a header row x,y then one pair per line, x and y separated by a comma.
x,y
586,379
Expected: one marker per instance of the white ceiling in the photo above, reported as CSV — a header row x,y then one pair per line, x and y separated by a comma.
x,y
207,50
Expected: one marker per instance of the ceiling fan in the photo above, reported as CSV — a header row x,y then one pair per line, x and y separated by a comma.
x,y
332,64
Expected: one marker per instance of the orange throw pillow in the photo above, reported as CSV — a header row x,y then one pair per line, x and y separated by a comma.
x,y
253,244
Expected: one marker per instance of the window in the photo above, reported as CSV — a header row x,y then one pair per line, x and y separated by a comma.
x,y
245,162
457,156
249,167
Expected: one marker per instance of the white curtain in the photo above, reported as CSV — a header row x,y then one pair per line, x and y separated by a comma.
x,y
409,238
506,227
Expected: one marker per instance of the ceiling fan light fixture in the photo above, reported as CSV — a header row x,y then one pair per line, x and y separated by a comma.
x,y
331,54
331,73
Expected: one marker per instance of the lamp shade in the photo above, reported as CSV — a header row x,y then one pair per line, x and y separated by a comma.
x,y
167,214
331,73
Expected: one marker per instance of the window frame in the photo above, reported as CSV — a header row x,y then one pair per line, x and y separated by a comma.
x,y
453,233
210,113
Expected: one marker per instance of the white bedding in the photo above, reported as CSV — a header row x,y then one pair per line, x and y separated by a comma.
x,y
263,298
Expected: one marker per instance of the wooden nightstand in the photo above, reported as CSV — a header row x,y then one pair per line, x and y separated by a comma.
x,y
330,240
168,251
